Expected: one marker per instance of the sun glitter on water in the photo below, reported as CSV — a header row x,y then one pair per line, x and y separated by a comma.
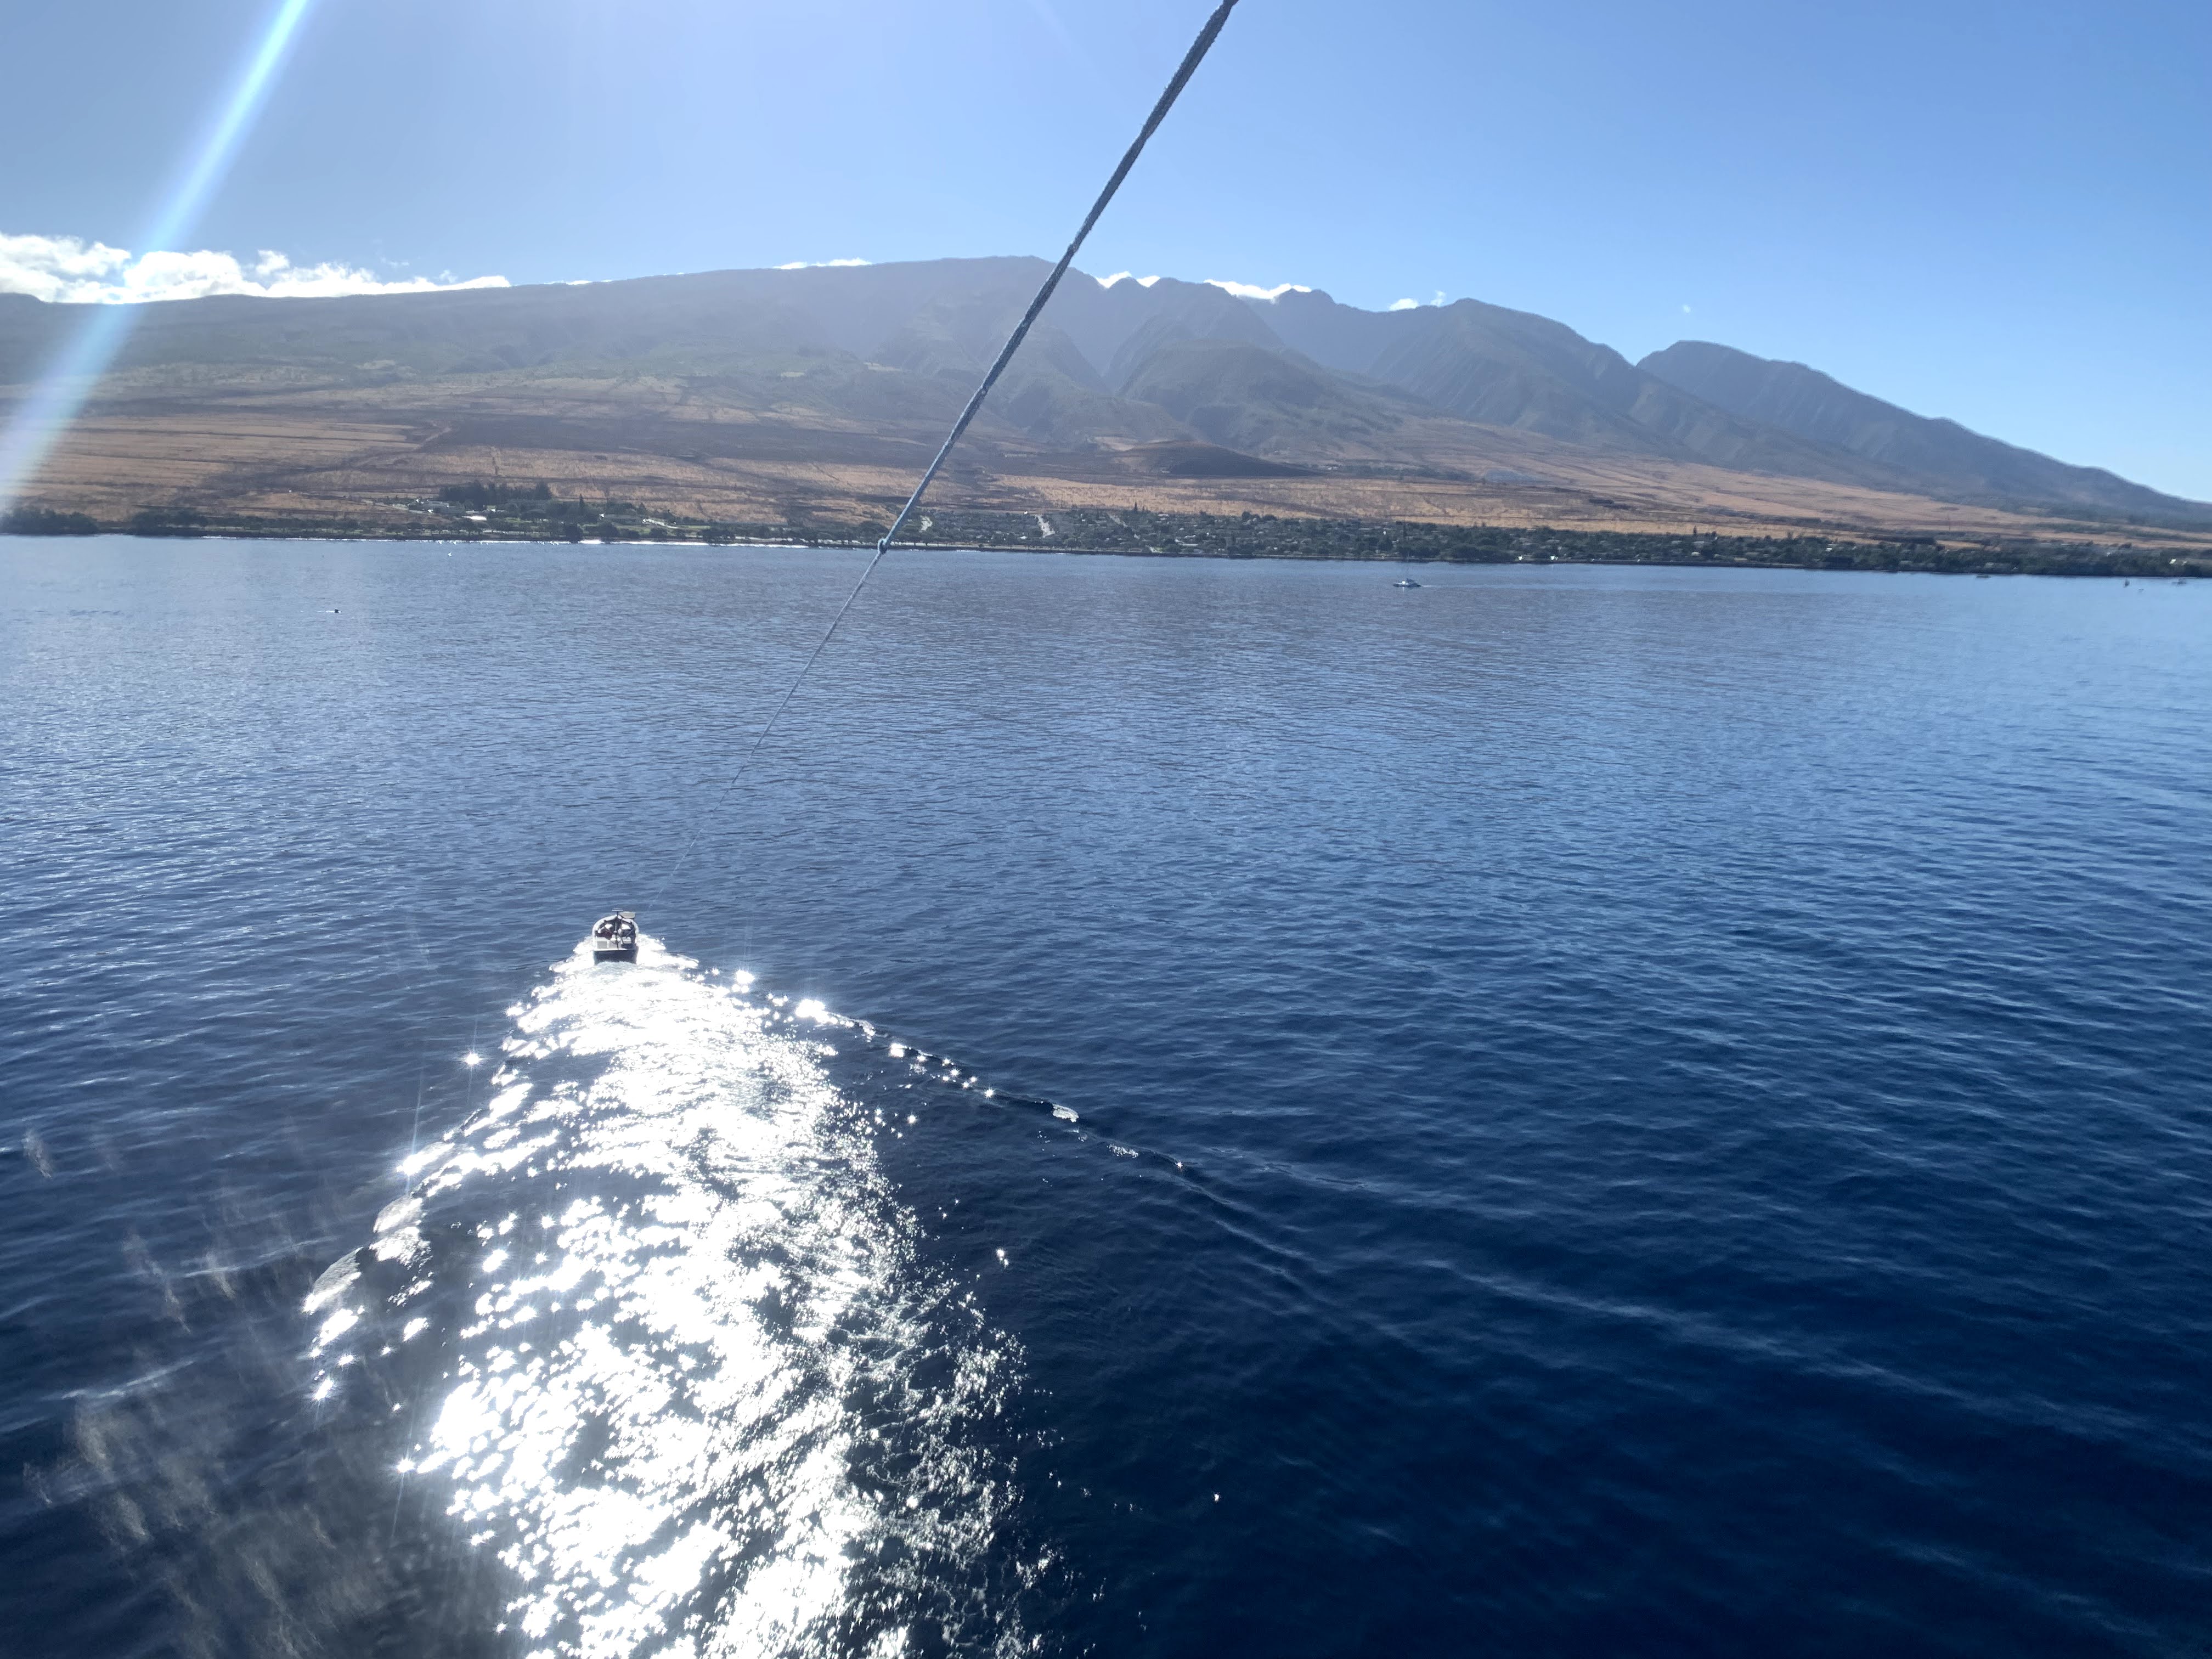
x,y
668,1350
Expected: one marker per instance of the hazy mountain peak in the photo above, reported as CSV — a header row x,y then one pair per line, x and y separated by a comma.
x,y
1939,456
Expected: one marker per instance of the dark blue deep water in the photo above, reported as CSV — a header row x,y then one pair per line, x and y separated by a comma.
x,y
1184,1107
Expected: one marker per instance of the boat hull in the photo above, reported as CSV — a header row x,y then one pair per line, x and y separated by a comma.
x,y
615,937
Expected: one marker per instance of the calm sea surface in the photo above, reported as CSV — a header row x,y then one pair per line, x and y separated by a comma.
x,y
1183,1108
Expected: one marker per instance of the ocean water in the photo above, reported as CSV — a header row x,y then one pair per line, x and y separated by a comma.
x,y
1182,1106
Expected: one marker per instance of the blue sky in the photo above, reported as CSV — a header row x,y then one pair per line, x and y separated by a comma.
x,y
2001,213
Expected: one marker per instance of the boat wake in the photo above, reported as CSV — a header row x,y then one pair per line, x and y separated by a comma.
x,y
664,1350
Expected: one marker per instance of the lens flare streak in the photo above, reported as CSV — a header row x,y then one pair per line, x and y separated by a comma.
x,y
60,395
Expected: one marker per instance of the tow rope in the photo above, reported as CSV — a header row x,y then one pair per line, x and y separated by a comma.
x,y
1192,59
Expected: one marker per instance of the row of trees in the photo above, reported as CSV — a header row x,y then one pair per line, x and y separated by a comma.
x,y
43,521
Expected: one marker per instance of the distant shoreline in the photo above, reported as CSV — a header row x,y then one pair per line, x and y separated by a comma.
x,y
1090,531
2140,569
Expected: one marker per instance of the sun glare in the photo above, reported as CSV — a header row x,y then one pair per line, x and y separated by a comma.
x,y
55,403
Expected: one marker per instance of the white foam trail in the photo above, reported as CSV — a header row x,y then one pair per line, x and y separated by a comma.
x,y
696,1392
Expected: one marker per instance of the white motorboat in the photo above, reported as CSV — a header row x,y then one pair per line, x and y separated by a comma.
x,y
614,938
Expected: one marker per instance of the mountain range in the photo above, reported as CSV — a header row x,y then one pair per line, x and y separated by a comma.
x,y
799,393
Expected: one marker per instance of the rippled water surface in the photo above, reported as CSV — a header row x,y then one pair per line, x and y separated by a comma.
x,y
1183,1107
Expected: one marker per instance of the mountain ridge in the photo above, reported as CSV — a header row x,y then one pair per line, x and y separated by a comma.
x,y
1799,399
865,361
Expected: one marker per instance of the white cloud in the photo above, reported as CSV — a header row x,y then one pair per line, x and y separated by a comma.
x,y
825,264
1251,291
1405,305
1127,277
69,270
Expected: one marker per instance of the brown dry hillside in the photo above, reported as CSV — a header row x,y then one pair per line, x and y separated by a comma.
x,y
817,396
